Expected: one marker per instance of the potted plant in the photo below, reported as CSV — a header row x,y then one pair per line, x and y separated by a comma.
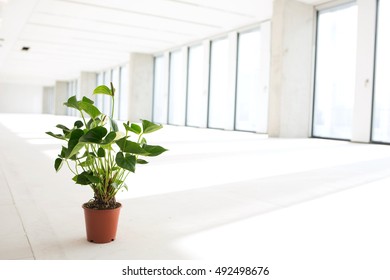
x,y
101,156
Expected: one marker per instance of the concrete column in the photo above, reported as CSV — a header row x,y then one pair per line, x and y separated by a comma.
x,y
290,95
87,83
140,95
61,96
48,100
361,128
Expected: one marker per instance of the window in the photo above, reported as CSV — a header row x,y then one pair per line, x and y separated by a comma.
x,y
107,99
116,84
124,92
381,113
201,83
177,93
197,97
120,80
160,98
252,92
99,97
72,90
335,72
221,103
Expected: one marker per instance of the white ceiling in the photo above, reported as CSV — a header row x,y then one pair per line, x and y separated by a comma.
x,y
66,37
314,2
69,36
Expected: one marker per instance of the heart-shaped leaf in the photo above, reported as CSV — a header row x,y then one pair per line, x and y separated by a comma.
x,y
72,103
153,150
103,90
90,109
127,146
95,135
149,127
126,161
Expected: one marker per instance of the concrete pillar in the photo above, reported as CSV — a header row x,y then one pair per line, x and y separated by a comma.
x,y
140,95
365,57
48,100
87,83
61,96
290,95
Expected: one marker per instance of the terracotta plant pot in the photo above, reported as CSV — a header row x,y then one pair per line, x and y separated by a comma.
x,y
101,225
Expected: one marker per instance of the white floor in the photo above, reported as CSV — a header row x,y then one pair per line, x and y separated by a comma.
x,y
303,205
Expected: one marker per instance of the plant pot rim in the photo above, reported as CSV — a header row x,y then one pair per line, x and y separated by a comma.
x,y
109,209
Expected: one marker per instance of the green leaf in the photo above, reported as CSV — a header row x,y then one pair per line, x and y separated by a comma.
x,y
87,100
75,150
114,125
95,135
109,138
149,127
58,136
57,164
73,145
63,127
131,147
82,178
103,90
92,179
78,124
153,150
133,128
64,152
72,103
90,109
141,161
126,161
127,127
101,152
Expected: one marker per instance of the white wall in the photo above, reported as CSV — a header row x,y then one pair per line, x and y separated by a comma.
x,y
19,98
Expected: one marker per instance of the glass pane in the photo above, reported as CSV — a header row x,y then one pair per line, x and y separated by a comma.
x,y
335,72
221,110
70,93
160,100
72,90
197,99
124,92
381,114
252,93
177,94
106,98
115,82
98,97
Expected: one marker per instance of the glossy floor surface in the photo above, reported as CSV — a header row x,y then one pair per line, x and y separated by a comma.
x,y
215,195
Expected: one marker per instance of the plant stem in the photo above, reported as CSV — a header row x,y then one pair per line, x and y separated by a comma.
x,y
82,115
67,163
112,108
